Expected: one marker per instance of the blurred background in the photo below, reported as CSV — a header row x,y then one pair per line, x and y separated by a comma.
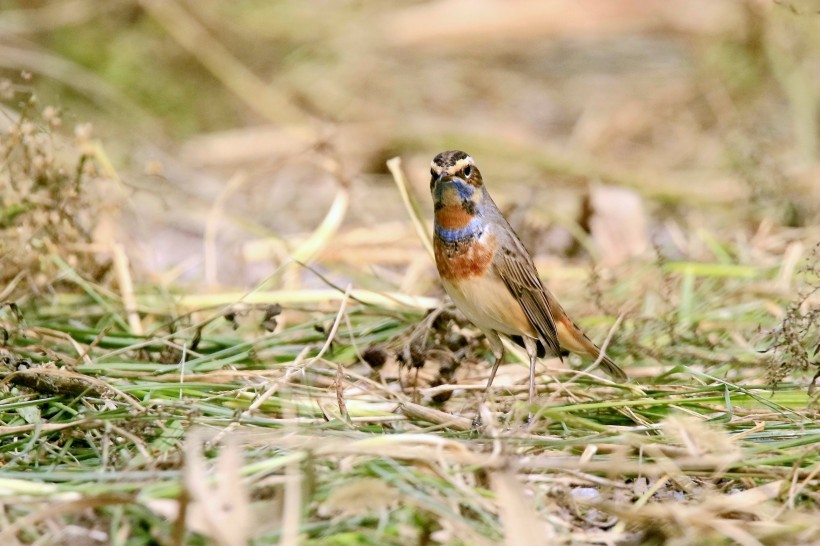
x,y
168,166
231,136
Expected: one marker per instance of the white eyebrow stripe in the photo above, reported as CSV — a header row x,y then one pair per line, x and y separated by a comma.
x,y
460,164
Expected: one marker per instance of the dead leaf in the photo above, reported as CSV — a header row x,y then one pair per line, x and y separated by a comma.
x,y
618,224
359,496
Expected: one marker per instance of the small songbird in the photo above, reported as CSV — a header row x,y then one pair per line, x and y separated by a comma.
x,y
491,277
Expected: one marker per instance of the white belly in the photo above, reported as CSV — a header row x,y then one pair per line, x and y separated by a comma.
x,y
488,304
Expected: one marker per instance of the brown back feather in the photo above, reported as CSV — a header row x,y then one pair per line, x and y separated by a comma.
x,y
521,278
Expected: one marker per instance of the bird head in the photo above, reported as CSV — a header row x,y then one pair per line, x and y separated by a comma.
x,y
456,184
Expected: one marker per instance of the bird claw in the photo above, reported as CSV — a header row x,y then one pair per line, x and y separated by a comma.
x,y
477,422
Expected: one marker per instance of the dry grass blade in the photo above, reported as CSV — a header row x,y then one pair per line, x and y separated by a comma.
x,y
522,525
327,228
394,165
126,284
218,504
474,21
384,300
293,505
215,216
431,415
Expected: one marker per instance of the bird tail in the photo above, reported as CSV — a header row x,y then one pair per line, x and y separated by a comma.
x,y
572,338
613,370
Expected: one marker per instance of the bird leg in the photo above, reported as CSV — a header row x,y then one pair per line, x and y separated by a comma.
x,y
498,358
531,345
498,352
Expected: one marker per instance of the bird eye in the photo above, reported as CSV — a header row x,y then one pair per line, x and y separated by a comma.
x,y
467,171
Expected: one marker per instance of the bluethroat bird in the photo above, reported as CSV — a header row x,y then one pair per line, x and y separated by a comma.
x,y
491,277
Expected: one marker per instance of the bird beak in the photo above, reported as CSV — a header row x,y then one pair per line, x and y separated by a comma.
x,y
448,187
439,186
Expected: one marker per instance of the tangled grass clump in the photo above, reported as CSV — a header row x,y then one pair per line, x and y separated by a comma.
x,y
796,340
49,205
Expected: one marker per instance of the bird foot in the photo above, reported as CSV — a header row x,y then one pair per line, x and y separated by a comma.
x,y
477,423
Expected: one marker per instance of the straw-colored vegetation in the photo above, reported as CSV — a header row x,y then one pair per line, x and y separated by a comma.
x,y
221,324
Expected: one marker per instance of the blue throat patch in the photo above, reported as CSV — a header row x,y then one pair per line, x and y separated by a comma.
x,y
473,229
465,190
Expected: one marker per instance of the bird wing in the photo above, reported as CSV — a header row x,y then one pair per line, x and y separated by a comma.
x,y
521,278
547,316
